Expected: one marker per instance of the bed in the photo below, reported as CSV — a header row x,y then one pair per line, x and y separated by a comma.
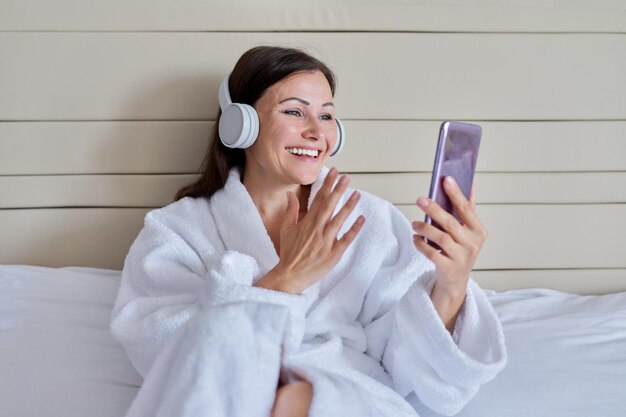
x,y
98,126
567,353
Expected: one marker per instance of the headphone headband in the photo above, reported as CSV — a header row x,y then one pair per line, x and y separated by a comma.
x,y
224,93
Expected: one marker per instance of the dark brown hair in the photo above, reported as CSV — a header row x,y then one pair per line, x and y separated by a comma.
x,y
258,69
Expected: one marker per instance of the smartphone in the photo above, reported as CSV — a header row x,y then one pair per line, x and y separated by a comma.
x,y
456,156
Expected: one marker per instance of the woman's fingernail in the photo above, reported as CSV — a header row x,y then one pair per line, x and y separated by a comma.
x,y
449,180
422,202
354,195
343,180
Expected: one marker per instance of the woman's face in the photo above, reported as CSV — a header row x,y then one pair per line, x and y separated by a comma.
x,y
296,115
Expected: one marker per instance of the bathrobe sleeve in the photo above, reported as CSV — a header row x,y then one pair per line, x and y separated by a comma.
x,y
173,270
407,335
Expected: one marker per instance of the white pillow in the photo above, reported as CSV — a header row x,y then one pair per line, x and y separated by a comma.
x,y
57,357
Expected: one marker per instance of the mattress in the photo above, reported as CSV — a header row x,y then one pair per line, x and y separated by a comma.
x,y
567,353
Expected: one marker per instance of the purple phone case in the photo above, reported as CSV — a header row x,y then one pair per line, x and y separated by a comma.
x,y
457,153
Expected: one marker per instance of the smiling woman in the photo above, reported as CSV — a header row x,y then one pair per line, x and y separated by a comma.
x,y
256,71
263,289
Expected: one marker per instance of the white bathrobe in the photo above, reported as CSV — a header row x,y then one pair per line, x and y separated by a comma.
x,y
210,343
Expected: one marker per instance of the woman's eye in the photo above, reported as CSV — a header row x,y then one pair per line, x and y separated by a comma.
x,y
326,116
293,112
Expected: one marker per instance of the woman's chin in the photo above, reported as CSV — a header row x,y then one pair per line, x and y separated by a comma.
x,y
307,180
309,177
302,173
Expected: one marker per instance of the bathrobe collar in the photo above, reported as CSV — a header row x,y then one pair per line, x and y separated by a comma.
x,y
239,222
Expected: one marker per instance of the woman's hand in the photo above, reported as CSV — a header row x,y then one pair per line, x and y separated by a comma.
x,y
460,244
309,247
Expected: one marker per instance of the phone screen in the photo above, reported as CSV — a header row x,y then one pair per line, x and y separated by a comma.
x,y
457,153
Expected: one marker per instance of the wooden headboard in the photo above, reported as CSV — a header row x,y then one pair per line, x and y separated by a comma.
x,y
106,110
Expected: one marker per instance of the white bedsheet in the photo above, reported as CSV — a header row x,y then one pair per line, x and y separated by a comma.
x,y
567,353
567,357
57,357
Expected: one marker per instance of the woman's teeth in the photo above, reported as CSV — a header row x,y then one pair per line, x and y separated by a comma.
x,y
299,151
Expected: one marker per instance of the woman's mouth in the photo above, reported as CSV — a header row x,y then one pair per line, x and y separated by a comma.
x,y
301,153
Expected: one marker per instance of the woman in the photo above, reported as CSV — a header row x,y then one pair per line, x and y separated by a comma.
x,y
271,288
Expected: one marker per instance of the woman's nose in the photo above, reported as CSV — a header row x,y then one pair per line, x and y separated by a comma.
x,y
314,130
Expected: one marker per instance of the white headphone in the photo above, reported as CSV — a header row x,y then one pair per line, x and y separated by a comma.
x,y
239,123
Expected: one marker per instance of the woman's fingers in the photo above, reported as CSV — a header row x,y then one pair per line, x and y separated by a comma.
x,y
472,199
329,181
466,209
325,190
334,225
342,244
458,241
330,202
444,219
462,206
431,253
293,207
327,197
444,240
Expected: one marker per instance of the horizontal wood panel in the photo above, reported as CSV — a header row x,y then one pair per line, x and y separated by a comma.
x,y
549,236
102,147
90,190
159,190
423,76
97,238
578,281
322,15
372,146
503,188
521,237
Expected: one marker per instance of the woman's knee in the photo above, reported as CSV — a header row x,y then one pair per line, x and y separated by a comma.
x,y
293,400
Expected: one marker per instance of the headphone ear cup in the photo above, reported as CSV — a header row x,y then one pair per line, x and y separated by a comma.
x,y
341,138
238,126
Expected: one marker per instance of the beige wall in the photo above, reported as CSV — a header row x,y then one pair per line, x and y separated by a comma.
x,y
106,107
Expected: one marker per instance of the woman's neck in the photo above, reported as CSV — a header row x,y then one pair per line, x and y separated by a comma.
x,y
271,198
271,202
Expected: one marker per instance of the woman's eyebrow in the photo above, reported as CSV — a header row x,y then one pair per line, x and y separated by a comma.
x,y
305,102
